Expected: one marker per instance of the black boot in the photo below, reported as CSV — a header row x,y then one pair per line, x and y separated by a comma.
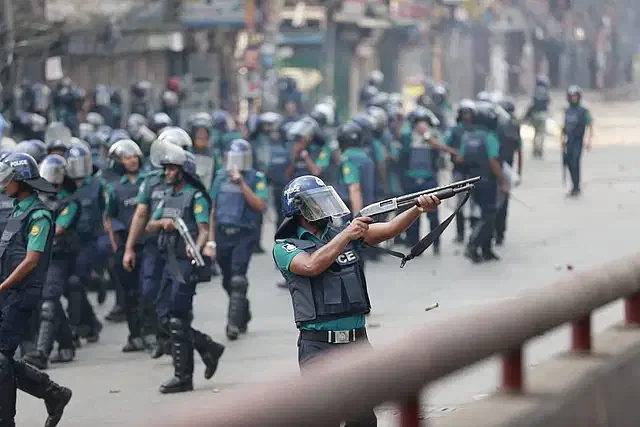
x,y
44,344
93,335
247,318
473,255
236,317
135,342
38,384
182,352
64,355
116,315
209,350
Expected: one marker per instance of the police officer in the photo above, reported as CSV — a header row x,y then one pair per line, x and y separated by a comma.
x,y
120,205
479,155
54,324
577,121
357,183
208,159
320,264
279,158
464,123
101,104
140,94
25,250
159,122
187,200
33,147
537,113
420,173
309,157
510,146
116,106
90,193
150,194
238,195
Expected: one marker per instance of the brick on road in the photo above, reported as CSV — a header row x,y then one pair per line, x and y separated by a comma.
x,y
543,237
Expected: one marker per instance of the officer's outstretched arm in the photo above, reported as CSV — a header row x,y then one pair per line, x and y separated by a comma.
x,y
23,269
307,265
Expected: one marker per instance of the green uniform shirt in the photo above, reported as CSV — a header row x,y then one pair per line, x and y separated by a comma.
x,y
201,206
227,139
110,201
492,145
588,119
260,188
40,223
283,254
350,171
324,154
68,214
144,192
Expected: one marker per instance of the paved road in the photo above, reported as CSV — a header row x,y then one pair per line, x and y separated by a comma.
x,y
547,232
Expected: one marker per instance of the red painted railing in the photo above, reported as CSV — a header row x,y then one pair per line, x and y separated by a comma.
x,y
358,379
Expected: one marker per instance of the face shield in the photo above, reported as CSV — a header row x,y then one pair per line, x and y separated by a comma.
x,y
53,171
79,164
124,148
320,203
7,173
165,153
239,160
58,131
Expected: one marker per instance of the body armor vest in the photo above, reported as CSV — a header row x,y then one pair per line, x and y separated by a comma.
x,y
178,206
232,209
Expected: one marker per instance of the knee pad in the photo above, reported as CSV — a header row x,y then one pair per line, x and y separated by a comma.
x,y
179,328
48,311
239,284
74,282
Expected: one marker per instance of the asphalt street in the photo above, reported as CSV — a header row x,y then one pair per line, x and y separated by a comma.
x,y
546,233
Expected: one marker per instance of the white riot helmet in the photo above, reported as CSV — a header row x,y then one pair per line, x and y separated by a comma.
x,y
176,136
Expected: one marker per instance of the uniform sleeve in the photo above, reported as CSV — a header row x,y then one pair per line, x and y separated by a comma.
x,y
493,147
144,193
110,206
261,188
68,214
39,228
201,208
157,214
324,157
283,254
350,173
588,119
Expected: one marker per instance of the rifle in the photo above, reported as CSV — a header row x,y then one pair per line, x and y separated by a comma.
x,y
409,200
188,240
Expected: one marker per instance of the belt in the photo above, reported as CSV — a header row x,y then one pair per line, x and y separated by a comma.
x,y
229,231
335,337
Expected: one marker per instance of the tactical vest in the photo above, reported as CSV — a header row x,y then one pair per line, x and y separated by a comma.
x,y
421,156
278,164
68,242
575,123
125,194
338,292
6,207
13,248
109,175
178,206
90,222
232,209
367,169
476,158
508,135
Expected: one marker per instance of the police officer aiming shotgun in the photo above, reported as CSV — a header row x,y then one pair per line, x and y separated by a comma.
x,y
320,264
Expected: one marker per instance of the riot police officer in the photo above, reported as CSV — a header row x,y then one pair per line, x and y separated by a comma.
x,y
140,99
537,113
151,264
372,87
187,200
320,264
208,159
90,194
120,205
141,134
33,147
54,324
160,122
577,124
25,250
309,157
479,155
464,123
238,195
420,173
510,146
101,104
279,157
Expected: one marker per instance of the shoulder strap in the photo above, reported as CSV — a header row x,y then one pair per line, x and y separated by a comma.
x,y
301,244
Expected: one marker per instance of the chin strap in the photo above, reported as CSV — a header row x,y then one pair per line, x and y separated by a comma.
x,y
427,240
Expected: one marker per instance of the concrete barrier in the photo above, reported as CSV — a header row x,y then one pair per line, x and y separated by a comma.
x,y
569,390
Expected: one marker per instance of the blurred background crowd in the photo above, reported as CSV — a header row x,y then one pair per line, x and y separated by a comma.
x,y
251,56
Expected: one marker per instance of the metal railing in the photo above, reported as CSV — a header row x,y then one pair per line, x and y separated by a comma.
x,y
356,380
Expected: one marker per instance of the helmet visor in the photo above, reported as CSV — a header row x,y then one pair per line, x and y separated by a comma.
x,y
79,167
7,173
165,153
239,161
320,203
52,173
